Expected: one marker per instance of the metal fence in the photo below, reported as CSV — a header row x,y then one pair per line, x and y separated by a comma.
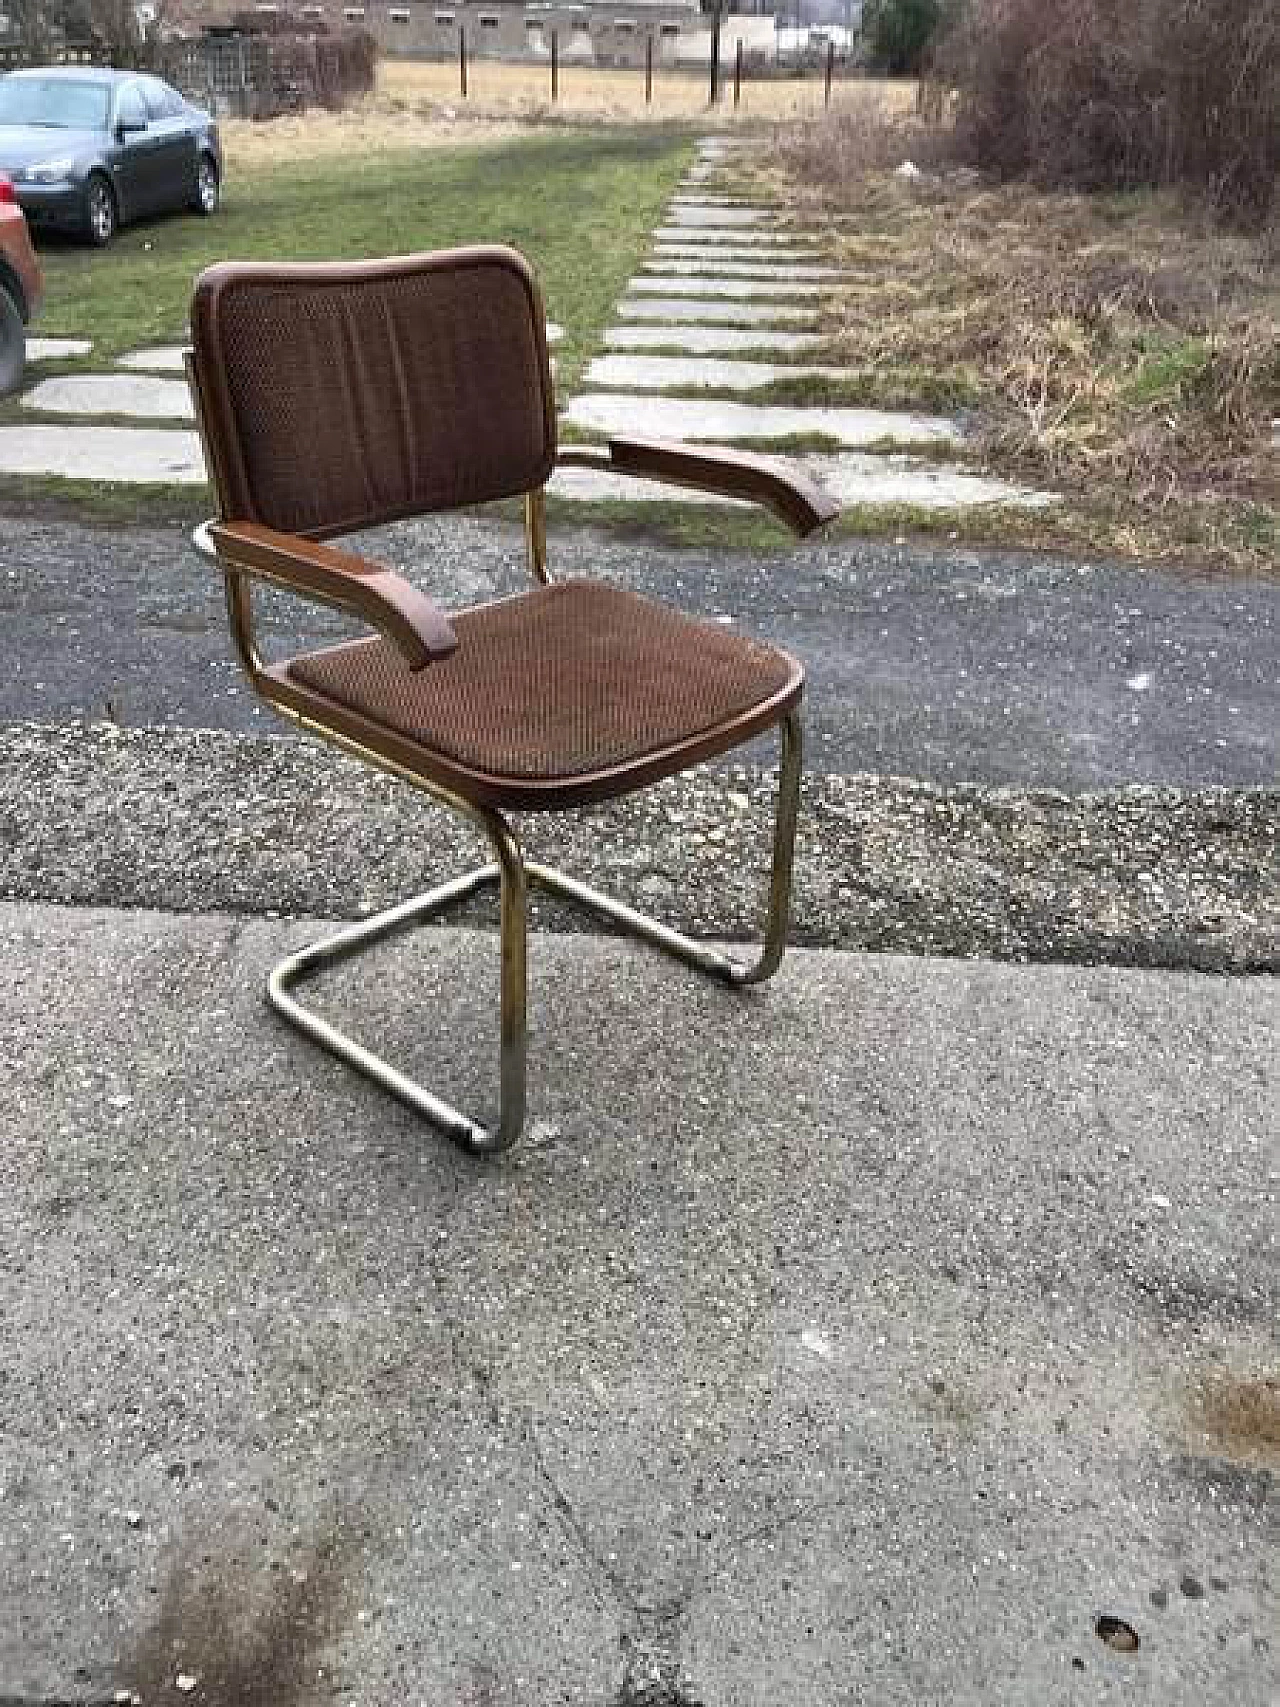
x,y
247,76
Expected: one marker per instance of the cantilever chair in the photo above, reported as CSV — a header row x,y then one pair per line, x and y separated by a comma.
x,y
334,396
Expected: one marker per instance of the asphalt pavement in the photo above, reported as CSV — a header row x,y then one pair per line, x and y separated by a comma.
x,y
947,666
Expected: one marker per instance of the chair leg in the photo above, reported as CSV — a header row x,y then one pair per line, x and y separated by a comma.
x,y
512,875
683,948
508,874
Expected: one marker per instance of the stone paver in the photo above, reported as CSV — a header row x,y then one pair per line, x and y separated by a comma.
x,y
705,266
735,234
127,454
706,340
704,199
163,358
112,394
719,215
666,373
714,419
56,349
715,311
763,290
852,478
671,250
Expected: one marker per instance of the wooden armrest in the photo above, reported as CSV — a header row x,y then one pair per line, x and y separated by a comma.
x,y
795,499
407,617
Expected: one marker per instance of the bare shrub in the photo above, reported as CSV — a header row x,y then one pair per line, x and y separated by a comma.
x,y
870,131
1117,94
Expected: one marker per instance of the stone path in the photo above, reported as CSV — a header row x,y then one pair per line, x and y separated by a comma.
x,y
729,303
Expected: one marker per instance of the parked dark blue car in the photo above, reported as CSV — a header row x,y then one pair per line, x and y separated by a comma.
x,y
89,149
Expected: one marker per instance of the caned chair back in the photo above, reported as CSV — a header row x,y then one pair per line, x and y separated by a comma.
x,y
336,395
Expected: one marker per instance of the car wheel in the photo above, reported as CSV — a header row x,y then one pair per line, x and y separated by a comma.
x,y
205,200
99,211
13,344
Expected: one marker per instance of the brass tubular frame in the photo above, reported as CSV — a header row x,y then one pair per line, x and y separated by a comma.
x,y
535,533
514,876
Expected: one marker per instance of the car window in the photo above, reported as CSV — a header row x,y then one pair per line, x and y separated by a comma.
x,y
130,108
162,101
55,103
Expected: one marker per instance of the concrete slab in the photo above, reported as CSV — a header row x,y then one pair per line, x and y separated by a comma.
x,y
722,215
161,358
717,267
665,250
715,311
864,481
668,373
681,418
112,394
673,232
706,340
57,349
128,454
781,286
914,1315
704,199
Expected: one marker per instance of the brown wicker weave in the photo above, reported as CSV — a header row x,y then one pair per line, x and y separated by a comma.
x,y
344,395
576,688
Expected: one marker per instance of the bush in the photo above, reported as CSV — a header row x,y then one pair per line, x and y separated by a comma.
x,y
898,34
1117,94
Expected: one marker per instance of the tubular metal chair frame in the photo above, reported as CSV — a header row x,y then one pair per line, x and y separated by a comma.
x,y
304,567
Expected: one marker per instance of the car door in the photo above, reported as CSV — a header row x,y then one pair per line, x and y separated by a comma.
x,y
131,164
172,157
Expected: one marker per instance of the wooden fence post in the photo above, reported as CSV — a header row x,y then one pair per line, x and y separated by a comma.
x,y
737,75
715,56
462,61
831,59
555,65
648,71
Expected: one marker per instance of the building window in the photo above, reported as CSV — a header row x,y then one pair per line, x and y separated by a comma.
x,y
398,15
444,20
668,29
626,25
351,13
489,21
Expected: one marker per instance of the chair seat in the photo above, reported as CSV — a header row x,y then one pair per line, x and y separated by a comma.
x,y
566,694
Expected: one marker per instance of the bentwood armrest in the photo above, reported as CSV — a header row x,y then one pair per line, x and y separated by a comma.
x,y
795,499
406,616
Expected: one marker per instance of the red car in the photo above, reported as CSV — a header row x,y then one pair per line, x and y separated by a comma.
x,y
20,288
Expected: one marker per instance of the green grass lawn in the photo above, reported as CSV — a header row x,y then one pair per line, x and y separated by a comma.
x,y
580,204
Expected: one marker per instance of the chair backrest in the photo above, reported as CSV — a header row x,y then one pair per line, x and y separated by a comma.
x,y
335,395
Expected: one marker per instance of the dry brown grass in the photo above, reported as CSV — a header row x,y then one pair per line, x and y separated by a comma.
x,y
1111,346
417,105
368,126
523,92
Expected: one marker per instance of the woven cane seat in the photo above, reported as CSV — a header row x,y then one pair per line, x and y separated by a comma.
x,y
567,693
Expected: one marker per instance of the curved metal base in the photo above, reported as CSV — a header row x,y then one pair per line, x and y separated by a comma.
x,y
511,874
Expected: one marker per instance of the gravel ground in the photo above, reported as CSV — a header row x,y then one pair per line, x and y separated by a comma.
x,y
195,820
